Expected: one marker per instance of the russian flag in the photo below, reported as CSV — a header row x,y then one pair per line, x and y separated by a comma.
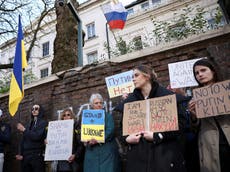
x,y
115,15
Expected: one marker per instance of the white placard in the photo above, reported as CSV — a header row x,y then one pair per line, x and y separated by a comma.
x,y
59,140
181,74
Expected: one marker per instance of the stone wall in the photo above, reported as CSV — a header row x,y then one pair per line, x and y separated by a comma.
x,y
74,87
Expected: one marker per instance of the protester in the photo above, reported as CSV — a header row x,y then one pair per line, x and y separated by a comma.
x,y
102,157
214,132
5,133
32,144
75,161
149,151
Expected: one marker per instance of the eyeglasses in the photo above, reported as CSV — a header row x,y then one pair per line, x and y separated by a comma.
x,y
64,115
35,108
97,103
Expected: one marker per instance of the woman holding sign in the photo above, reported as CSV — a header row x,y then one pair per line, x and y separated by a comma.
x,y
214,132
102,157
153,151
75,161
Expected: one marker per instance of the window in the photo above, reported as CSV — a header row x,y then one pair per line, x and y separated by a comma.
x,y
145,5
44,72
45,49
156,2
92,57
137,43
90,30
130,11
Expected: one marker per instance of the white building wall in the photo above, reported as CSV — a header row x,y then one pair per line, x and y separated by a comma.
x,y
138,24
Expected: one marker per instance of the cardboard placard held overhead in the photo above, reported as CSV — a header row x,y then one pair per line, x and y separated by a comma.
x,y
93,125
181,74
59,140
212,100
120,84
157,115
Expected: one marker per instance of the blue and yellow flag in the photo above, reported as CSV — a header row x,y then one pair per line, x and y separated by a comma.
x,y
17,82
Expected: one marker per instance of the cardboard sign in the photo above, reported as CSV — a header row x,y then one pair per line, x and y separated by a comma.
x,y
93,125
120,84
212,100
157,115
59,140
181,74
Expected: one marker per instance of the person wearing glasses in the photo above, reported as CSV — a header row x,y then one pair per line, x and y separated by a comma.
x,y
32,144
102,157
75,161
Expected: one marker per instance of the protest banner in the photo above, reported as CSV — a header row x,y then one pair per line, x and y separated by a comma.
x,y
120,84
59,140
156,114
93,125
212,100
181,74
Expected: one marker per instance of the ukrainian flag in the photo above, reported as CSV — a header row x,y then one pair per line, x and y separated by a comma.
x,y
17,82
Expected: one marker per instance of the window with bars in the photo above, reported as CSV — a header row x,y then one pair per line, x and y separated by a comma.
x,y
91,30
44,72
45,49
92,57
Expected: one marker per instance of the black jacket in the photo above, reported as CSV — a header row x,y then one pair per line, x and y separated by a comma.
x,y
5,132
161,155
34,136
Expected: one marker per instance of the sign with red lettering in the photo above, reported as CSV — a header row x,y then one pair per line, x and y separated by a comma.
x,y
157,115
120,84
212,100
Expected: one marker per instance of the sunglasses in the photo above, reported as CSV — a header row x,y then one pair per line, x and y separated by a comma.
x,y
35,108
64,115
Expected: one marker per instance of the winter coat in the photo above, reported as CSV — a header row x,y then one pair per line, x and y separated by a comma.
x,y
162,154
34,136
5,133
208,141
103,157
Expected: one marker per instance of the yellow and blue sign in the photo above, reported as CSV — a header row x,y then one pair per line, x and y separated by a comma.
x,y
93,125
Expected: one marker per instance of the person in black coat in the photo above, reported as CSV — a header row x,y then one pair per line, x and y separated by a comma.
x,y
149,151
32,144
5,133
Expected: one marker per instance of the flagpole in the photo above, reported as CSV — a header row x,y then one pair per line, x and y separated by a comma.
x,y
107,38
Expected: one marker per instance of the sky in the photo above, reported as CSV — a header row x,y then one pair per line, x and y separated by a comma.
x,y
124,2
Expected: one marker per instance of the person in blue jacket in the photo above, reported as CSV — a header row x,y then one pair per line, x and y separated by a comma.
x,y
32,144
5,133
102,157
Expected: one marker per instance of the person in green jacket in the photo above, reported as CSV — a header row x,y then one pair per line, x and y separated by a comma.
x,y
102,157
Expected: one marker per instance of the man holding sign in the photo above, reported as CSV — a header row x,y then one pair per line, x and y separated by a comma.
x,y
211,104
157,147
97,132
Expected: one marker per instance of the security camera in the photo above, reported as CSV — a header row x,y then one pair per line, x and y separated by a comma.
x,y
60,2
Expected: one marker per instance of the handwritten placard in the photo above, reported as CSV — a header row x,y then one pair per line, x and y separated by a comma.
x,y
120,84
163,114
59,140
212,100
157,115
134,118
93,125
181,74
